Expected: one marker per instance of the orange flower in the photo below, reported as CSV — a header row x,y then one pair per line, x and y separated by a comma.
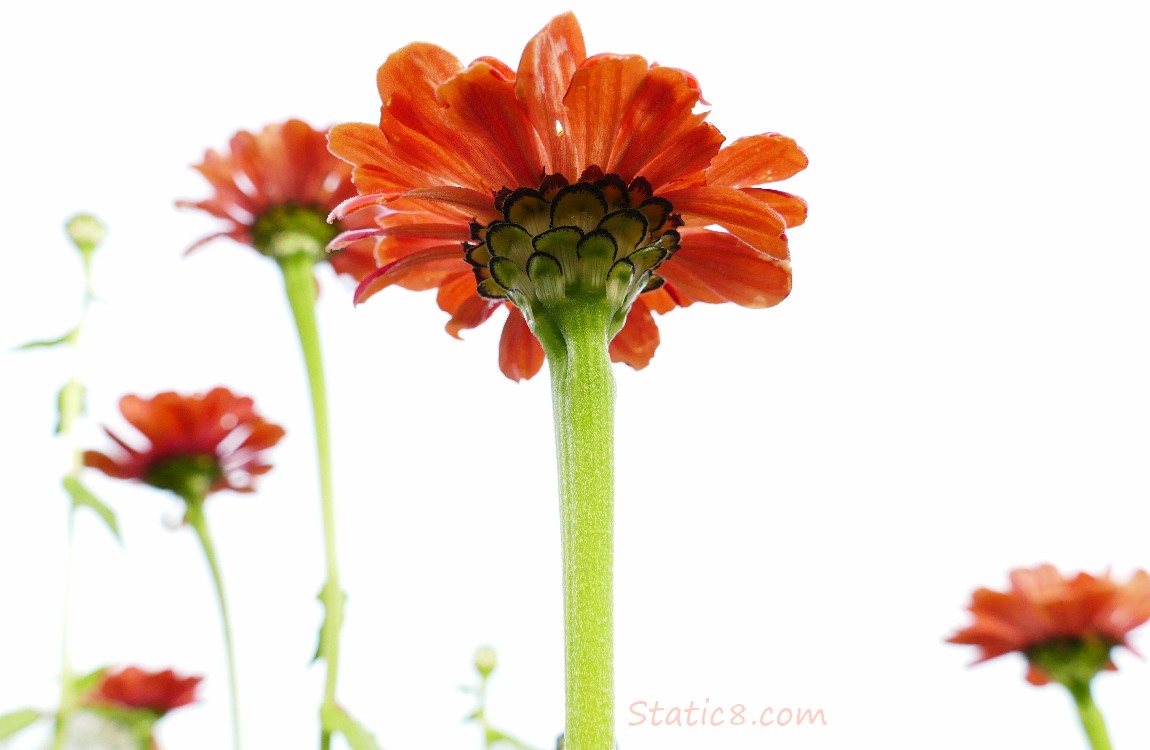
x,y
275,189
1054,620
134,689
609,144
215,440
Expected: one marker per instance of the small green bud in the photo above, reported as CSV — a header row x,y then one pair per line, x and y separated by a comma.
x,y
485,661
86,232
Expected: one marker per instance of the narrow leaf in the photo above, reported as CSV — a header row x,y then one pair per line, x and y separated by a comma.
x,y
83,497
47,343
14,722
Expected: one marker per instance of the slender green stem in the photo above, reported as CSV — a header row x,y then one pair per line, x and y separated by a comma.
x,y
71,409
195,517
300,286
67,676
1092,722
583,397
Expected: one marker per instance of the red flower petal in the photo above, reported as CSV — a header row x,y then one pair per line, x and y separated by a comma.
x,y
520,354
600,94
752,221
717,267
635,344
545,70
755,160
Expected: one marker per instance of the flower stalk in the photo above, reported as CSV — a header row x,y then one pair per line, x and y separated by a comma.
x,y
1092,722
575,339
195,518
299,283
86,233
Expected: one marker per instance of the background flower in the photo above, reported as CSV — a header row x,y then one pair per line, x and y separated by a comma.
x,y
282,178
1045,608
135,688
216,432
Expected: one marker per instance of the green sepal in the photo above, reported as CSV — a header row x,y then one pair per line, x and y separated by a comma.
x,y
70,405
83,497
65,338
335,719
18,721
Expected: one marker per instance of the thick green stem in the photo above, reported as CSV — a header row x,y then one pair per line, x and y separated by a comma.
x,y
583,397
1092,722
195,517
300,286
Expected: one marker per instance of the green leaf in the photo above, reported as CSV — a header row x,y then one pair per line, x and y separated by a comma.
x,y
86,683
47,343
69,405
16,721
330,613
335,719
83,497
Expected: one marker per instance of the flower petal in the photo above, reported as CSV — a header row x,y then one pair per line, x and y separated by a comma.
x,y
792,208
482,105
545,70
520,354
660,113
717,267
636,342
752,221
600,93
419,270
757,159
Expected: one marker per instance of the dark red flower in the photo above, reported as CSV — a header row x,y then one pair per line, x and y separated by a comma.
x,y
132,688
461,151
215,439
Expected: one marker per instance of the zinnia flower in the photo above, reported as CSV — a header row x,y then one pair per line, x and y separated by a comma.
x,y
135,689
1065,627
275,189
563,174
203,442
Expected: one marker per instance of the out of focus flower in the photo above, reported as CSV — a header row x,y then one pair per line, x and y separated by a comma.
x,y
568,176
1065,626
274,189
132,689
196,444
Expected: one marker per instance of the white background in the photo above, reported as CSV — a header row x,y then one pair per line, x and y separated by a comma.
x,y
806,495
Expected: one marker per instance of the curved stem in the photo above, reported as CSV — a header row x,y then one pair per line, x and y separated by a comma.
x,y
195,517
1092,722
583,398
299,284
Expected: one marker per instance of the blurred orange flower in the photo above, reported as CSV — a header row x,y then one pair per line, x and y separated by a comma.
x,y
275,189
215,438
1045,610
135,689
460,150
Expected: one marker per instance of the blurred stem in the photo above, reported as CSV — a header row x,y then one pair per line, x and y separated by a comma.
x,y
575,338
493,737
299,283
1092,722
71,409
195,517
